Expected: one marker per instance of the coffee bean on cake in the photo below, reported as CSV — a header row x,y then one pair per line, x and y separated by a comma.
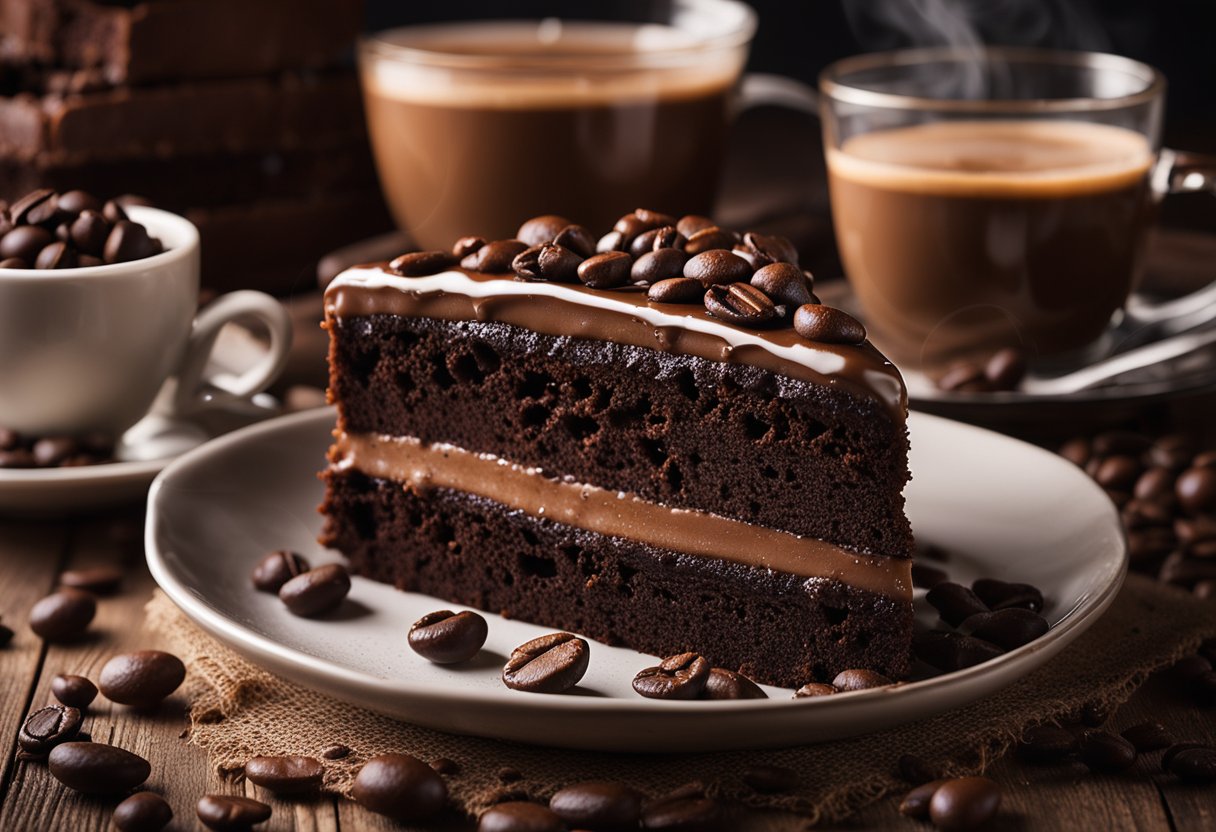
x,y
142,812
605,271
710,238
740,304
676,677
520,816
576,238
97,768
73,691
717,267
141,679
540,230
495,257
547,262
771,247
828,325
549,664
786,284
445,637
964,803
727,684
598,804
421,263
676,290
47,727
63,615
465,246
277,568
660,265
285,774
231,813
399,786
316,591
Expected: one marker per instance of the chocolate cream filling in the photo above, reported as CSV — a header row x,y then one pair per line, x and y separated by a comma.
x,y
421,466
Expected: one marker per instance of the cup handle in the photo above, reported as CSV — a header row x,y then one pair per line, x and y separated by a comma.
x,y
760,89
195,392
1176,172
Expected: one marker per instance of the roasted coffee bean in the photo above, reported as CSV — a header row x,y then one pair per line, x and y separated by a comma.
x,y
955,602
1138,514
336,752
34,208
519,816
654,219
964,377
1150,543
1194,765
1046,744
129,241
1172,452
13,263
828,325
17,458
1195,489
98,580
1005,369
47,727
676,677
605,271
1119,472
1190,530
717,267
771,779
1094,714
495,257
964,803
74,202
548,262
771,247
549,664
690,224
53,450
142,812
916,802
1148,736
465,246
142,679
576,239
741,304
859,679
1126,442
1167,759
317,591
727,684
711,239
506,774
631,225
97,768
1185,571
784,283
643,243
113,211
1076,451
952,651
1009,628
676,290
73,691
598,804
422,263
445,637
541,230
1154,483
1189,669
813,689
1105,753
230,813
916,770
399,786
927,577
89,233
684,814
654,266
1205,589
63,615
24,242
668,237
446,767
277,568
58,255
286,774
612,241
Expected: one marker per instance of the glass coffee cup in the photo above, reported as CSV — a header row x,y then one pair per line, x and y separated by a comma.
x,y
1000,199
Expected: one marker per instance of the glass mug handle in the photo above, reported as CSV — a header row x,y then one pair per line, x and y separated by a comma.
x,y
1176,172
760,89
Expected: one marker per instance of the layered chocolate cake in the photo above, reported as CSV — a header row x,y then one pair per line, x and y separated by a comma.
x,y
692,455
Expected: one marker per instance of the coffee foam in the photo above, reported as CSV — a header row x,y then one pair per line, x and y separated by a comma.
x,y
1015,158
550,63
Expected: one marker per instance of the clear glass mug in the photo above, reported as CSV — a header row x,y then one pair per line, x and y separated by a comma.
x,y
1002,199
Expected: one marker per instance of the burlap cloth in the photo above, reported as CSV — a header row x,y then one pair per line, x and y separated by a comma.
x,y
238,711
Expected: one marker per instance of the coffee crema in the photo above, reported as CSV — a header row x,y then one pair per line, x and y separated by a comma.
x,y
1024,233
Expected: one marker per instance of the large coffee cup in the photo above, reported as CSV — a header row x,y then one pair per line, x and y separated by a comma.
x,y
997,200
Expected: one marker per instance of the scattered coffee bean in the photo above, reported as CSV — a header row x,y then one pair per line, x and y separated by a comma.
x,y
1105,753
655,266
276,569
73,691
1148,736
96,768
1046,744
445,637
141,679
317,591
422,263
1094,714
48,727
446,767
717,267
1118,472
63,615
548,263
1174,750
727,684
964,803
916,770
1195,765
598,804
684,814
541,230
771,779
954,602
859,679
676,677
399,786
784,283
519,816
813,689
577,239
1196,490
999,595
506,774
741,304
952,651
828,325
142,812
129,241
230,813
605,271
335,752
963,377
1009,628
549,664
98,580
676,290
927,577
916,802
465,246
495,257
285,774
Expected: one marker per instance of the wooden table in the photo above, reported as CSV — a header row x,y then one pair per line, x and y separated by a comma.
x,y
32,553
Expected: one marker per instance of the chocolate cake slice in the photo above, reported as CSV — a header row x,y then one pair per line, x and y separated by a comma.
x,y
666,476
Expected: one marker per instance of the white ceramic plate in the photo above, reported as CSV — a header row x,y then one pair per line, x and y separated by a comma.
x,y
1003,508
